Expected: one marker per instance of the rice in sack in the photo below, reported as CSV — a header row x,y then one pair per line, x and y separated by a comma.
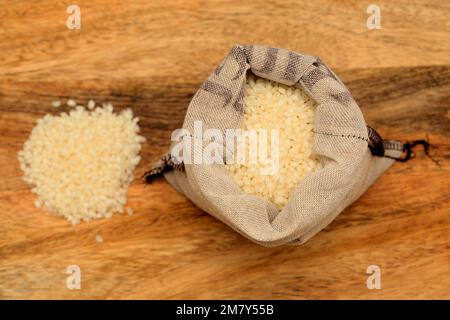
x,y
346,156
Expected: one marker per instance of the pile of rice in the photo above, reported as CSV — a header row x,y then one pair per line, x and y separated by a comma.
x,y
81,163
270,105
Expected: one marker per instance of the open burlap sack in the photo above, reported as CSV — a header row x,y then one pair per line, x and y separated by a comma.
x,y
352,154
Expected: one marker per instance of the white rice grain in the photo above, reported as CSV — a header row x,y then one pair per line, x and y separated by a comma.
x,y
99,238
91,104
71,103
130,211
56,104
271,105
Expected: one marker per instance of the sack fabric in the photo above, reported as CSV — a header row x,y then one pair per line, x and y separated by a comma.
x,y
341,141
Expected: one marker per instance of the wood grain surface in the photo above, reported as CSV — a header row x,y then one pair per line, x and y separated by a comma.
x,y
152,56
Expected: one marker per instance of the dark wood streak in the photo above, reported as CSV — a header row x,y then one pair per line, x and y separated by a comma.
x,y
389,95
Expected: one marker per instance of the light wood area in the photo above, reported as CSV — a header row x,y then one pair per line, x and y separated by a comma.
x,y
152,56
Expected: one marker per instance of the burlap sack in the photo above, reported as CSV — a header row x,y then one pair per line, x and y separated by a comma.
x,y
352,154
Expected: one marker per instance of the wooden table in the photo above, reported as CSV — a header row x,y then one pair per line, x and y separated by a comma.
x,y
152,56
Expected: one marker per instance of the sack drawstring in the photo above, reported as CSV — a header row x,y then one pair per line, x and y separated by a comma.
x,y
378,146
407,147
165,164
